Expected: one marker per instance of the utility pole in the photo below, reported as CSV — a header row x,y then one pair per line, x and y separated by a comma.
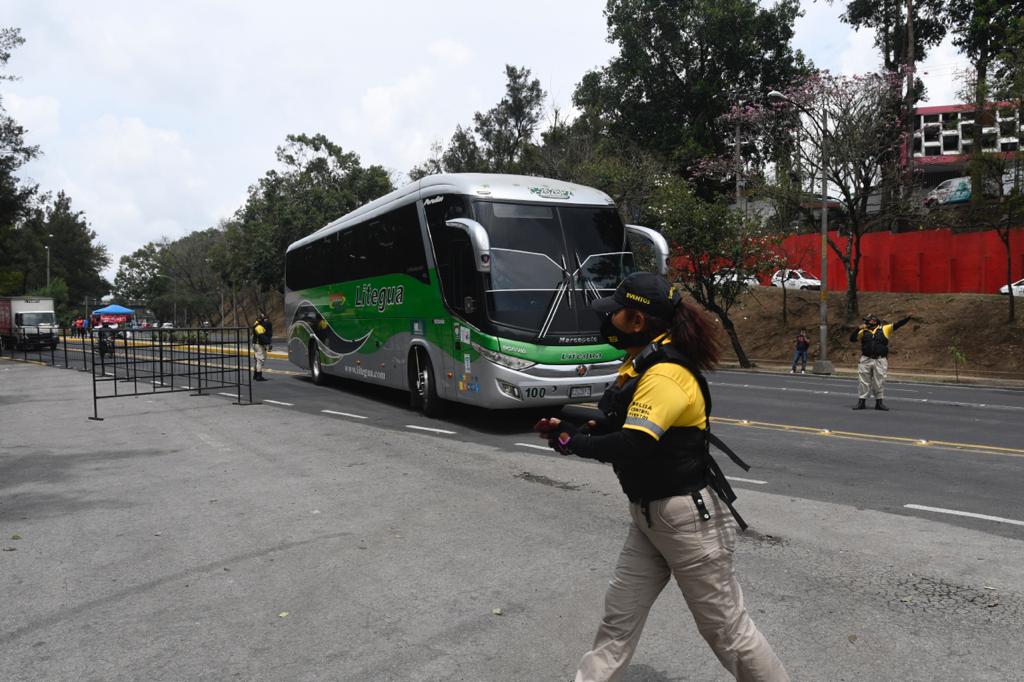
x,y
910,101
822,364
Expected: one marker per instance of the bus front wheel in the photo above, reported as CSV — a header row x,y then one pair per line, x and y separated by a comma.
x,y
316,370
423,384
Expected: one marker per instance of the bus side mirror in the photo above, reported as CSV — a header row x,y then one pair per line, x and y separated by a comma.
x,y
478,239
657,242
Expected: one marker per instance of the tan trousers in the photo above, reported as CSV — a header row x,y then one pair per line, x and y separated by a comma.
x,y
260,351
700,555
872,373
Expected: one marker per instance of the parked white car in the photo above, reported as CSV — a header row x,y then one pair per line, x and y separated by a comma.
x,y
795,279
727,275
1018,288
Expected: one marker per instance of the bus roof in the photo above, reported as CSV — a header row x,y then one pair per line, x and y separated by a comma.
x,y
483,185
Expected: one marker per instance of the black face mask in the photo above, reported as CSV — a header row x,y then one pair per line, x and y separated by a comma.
x,y
620,339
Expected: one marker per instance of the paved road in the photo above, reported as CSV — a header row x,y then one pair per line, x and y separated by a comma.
x,y
955,448
189,538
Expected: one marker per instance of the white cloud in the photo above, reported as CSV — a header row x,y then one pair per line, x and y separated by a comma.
x,y
942,74
450,51
39,115
384,106
859,55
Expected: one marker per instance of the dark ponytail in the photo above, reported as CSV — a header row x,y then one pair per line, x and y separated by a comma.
x,y
696,335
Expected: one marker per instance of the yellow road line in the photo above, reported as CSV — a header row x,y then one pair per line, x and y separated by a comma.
x,y
817,431
899,440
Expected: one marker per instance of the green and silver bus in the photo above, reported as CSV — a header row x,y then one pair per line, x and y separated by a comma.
x,y
469,288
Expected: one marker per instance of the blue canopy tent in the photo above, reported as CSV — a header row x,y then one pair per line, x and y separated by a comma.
x,y
114,309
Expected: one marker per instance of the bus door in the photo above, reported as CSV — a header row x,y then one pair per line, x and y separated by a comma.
x,y
463,295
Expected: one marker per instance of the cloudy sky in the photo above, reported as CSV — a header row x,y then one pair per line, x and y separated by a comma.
x,y
156,116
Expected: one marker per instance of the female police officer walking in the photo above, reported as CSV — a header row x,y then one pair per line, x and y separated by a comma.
x,y
656,435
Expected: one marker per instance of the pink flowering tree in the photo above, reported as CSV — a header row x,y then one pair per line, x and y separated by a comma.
x,y
849,119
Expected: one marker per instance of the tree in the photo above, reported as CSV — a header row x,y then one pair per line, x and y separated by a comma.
x,y
506,129
137,277
707,238
857,141
318,182
888,19
503,133
15,196
904,32
680,64
981,30
75,255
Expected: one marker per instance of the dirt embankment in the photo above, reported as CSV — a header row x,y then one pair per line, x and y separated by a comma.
x,y
973,323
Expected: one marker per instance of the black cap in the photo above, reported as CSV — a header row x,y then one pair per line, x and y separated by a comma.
x,y
647,292
869,317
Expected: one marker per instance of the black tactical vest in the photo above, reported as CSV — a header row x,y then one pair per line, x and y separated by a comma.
x,y
873,343
683,462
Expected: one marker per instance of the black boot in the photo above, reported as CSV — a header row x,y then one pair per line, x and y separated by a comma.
x,y
879,405
860,405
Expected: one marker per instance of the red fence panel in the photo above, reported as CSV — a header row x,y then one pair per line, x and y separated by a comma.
x,y
928,261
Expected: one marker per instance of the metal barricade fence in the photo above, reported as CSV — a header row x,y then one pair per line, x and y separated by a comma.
x,y
149,361
132,361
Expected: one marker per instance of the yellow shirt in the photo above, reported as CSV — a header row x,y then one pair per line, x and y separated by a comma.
x,y
887,330
668,395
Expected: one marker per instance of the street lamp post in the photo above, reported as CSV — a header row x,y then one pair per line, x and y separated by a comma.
x,y
822,365
175,323
47,247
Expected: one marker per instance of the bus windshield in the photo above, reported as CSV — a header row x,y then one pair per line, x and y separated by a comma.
x,y
549,262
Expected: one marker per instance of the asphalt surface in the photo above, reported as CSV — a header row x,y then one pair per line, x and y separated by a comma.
x,y
187,537
952,447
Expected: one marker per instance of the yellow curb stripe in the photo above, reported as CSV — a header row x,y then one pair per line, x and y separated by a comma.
x,y
899,440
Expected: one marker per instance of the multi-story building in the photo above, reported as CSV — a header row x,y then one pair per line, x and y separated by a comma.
x,y
944,137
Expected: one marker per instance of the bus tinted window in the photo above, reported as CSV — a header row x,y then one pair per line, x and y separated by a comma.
x,y
388,244
521,227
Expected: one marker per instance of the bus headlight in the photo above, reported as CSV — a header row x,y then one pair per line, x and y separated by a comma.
x,y
501,359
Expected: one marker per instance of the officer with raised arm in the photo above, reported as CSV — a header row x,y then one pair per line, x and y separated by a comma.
x,y
874,358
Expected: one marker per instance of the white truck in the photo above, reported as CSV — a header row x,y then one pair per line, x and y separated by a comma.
x,y
28,322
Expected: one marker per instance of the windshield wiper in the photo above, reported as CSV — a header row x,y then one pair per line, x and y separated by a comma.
x,y
588,284
553,310
571,279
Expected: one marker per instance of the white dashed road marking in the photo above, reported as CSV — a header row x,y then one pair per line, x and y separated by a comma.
x,y
746,480
427,428
344,414
984,517
278,402
531,445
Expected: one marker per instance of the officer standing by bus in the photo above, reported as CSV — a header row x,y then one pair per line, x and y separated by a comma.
x,y
656,434
262,335
874,359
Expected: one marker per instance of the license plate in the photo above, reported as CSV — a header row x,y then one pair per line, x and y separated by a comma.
x,y
579,391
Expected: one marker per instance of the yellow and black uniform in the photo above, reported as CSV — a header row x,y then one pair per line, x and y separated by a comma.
x,y
262,335
657,435
873,367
